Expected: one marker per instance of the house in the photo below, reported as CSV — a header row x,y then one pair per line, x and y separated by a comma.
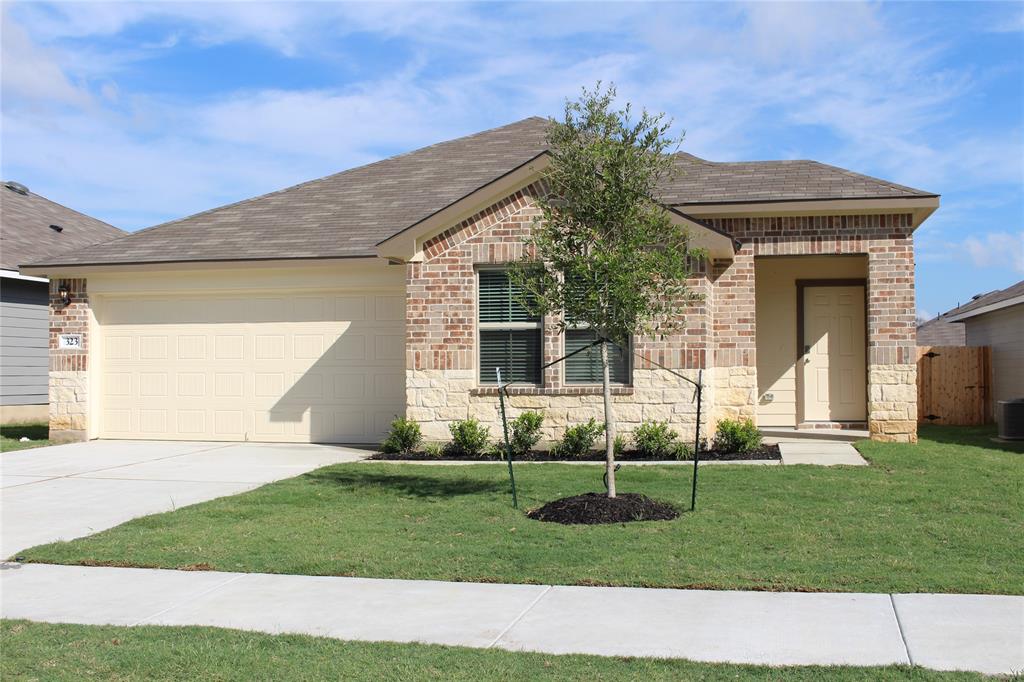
x,y
32,228
996,319
939,331
321,311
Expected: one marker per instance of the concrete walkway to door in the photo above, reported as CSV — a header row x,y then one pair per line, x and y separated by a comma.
x,y
68,491
944,631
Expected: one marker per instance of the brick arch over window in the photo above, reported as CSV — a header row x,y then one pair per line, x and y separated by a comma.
x,y
441,289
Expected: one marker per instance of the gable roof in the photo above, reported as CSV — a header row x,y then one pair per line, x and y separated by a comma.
x,y
986,303
698,181
348,214
340,216
26,235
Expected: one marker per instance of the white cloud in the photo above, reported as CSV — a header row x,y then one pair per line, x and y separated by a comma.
x,y
1003,18
996,250
32,73
733,75
782,31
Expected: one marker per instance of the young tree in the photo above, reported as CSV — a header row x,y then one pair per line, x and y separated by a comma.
x,y
606,253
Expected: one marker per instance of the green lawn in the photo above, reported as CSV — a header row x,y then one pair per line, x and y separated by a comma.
x,y
11,434
943,516
42,651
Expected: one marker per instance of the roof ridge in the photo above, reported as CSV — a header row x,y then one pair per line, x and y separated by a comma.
x,y
738,163
988,298
330,176
458,139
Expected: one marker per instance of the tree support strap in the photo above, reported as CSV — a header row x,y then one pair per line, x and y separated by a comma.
x,y
697,396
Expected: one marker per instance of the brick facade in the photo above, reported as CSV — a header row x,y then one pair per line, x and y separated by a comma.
x,y
887,240
720,336
69,367
441,364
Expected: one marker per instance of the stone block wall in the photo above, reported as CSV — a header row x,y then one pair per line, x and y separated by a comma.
x,y
436,398
69,368
735,393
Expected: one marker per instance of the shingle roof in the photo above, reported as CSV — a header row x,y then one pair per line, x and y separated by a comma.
x,y
26,235
349,213
941,332
702,182
339,216
986,300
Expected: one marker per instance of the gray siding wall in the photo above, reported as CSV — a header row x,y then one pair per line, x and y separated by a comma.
x,y
24,337
1003,330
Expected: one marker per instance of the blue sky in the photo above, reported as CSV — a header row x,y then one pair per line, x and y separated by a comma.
x,y
142,112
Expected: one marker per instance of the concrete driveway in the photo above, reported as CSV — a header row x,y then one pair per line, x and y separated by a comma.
x,y
67,491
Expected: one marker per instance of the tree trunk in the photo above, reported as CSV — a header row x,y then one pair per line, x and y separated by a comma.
x,y
609,422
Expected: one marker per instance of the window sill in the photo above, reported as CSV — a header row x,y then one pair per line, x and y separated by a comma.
x,y
540,390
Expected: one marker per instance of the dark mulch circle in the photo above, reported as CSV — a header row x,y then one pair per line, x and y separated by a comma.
x,y
593,508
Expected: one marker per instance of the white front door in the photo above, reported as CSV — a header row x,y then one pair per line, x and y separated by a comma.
x,y
833,360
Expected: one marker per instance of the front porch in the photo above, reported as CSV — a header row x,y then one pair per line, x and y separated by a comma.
x,y
818,318
811,342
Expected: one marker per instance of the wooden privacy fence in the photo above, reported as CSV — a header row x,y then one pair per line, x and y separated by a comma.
x,y
954,385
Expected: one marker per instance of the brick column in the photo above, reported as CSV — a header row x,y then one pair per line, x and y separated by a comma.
x,y
735,337
892,368
69,367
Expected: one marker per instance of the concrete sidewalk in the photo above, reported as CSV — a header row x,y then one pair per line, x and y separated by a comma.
x,y
946,632
820,453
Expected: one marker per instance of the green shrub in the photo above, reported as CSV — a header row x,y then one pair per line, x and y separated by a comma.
x,y
469,438
524,432
684,451
619,444
578,441
732,435
403,438
434,450
655,440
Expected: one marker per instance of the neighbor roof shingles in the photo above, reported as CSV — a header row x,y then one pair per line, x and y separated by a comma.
x,y
26,235
348,214
991,298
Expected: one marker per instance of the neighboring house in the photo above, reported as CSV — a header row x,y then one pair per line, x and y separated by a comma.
x,y
321,311
939,331
32,228
996,319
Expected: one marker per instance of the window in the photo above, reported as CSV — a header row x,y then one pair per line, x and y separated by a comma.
x,y
510,336
585,367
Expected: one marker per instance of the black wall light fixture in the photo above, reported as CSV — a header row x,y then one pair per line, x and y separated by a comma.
x,y
64,291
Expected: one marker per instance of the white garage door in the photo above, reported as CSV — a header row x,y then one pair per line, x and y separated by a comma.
x,y
323,367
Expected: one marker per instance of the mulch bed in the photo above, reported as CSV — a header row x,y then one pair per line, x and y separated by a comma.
x,y
764,452
594,508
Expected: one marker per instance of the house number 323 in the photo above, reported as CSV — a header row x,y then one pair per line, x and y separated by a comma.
x,y
70,341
